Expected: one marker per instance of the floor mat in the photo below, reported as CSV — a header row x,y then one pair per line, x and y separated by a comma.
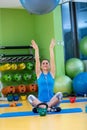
x,y
77,100
30,113
8,105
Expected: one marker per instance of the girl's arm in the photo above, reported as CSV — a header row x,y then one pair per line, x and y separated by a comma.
x,y
52,60
37,60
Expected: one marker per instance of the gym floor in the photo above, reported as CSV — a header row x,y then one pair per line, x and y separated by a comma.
x,y
75,121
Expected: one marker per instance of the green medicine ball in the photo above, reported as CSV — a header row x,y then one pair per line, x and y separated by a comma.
x,y
29,66
7,77
26,76
17,77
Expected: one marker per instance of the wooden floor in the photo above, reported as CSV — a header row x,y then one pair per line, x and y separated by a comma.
x,y
76,121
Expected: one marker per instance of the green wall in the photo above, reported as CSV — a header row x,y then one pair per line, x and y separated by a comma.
x,y
0,28
44,33
18,27
59,49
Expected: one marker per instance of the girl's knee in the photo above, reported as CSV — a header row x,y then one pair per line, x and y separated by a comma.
x,y
31,98
59,95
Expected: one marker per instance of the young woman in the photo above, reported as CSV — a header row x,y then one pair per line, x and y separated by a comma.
x,y
45,72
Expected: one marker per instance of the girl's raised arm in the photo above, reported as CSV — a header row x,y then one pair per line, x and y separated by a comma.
x,y
37,60
52,59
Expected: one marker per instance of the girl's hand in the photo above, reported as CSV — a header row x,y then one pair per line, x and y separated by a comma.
x,y
52,44
34,45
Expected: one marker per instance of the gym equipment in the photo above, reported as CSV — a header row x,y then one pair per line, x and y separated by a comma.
x,y
8,90
72,99
39,6
83,45
17,77
17,58
13,104
26,76
30,113
7,77
29,66
10,97
7,105
7,66
23,97
33,87
13,67
15,97
77,100
80,84
55,109
4,92
21,66
63,84
73,67
1,68
42,111
21,88
33,76
4,58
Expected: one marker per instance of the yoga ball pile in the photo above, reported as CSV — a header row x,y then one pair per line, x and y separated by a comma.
x,y
80,84
63,84
73,67
39,6
83,46
74,80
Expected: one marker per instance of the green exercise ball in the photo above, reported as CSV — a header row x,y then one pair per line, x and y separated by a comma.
x,y
83,46
17,77
73,67
26,76
7,77
63,84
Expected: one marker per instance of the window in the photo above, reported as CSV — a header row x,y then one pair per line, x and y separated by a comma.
x,y
74,24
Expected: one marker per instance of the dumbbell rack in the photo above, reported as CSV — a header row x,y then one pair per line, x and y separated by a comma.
x,y
4,58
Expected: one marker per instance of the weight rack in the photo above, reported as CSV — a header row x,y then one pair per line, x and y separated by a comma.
x,y
17,57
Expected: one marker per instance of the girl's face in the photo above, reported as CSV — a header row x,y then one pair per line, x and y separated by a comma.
x,y
45,66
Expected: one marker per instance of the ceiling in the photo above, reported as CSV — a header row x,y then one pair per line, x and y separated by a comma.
x,y
10,4
17,4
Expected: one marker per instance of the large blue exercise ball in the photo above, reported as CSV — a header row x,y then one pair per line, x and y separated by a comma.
x,y
80,84
73,67
83,46
39,6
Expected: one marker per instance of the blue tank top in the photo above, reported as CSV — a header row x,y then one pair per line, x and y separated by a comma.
x,y
45,87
